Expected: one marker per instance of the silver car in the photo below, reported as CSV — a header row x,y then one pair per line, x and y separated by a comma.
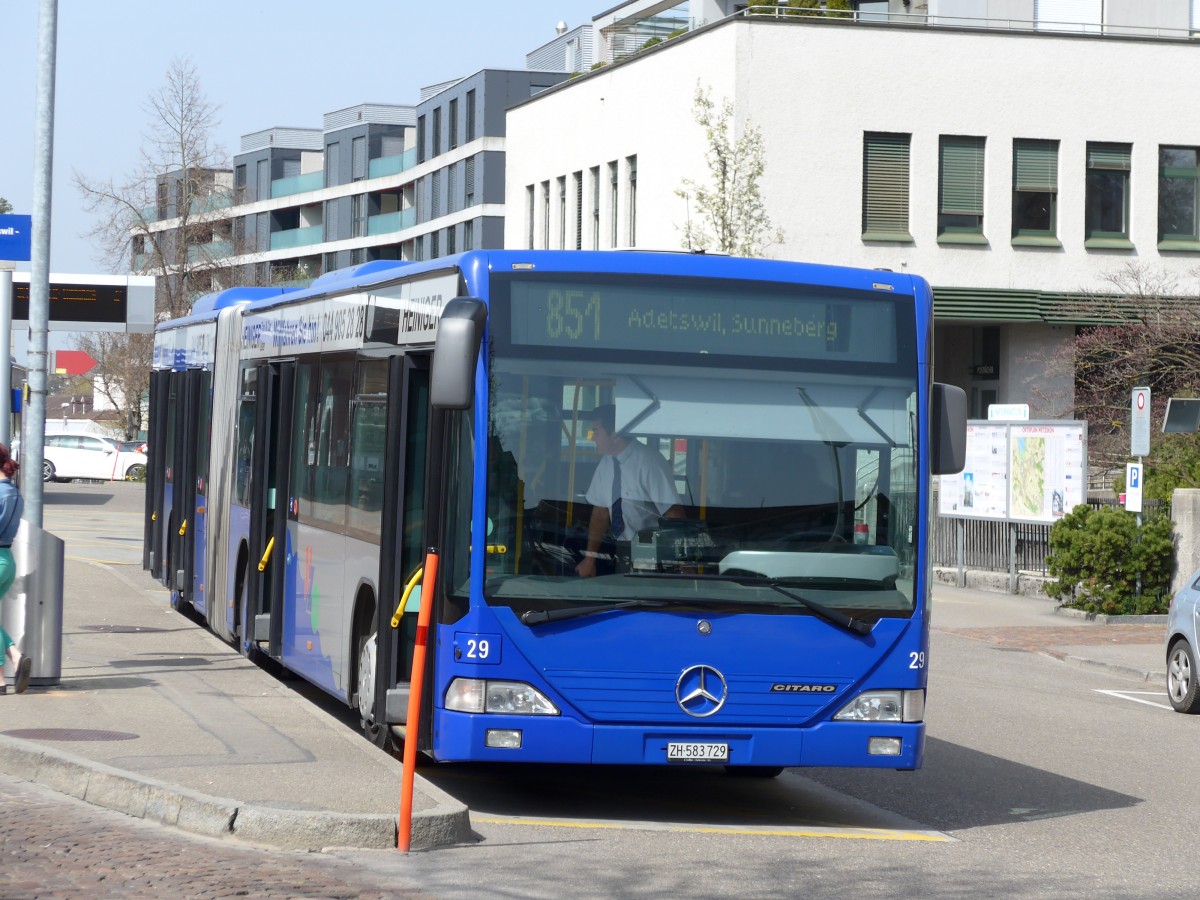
x,y
1183,677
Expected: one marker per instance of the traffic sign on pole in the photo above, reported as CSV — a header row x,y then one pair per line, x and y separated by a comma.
x,y
1139,422
1133,487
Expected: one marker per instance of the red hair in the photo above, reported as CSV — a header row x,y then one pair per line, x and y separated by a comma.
x,y
8,465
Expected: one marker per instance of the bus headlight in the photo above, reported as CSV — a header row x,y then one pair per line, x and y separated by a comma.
x,y
514,698
884,706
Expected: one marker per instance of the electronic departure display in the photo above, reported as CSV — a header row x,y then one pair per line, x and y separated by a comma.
x,y
697,317
106,303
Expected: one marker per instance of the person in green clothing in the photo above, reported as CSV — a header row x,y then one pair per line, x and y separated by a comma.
x,y
12,504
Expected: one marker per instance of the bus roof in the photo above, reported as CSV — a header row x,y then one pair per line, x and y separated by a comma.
x,y
597,261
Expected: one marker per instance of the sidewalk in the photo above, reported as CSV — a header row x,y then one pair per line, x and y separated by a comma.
x,y
1132,647
158,718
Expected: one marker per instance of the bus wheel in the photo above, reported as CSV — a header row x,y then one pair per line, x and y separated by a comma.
x,y
754,771
377,734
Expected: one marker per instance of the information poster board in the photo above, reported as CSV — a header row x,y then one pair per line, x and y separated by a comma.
x,y
1021,471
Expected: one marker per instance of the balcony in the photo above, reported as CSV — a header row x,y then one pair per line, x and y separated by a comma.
x,y
390,223
298,184
297,237
390,165
214,250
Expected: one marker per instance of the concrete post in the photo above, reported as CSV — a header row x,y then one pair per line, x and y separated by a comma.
x,y
1185,514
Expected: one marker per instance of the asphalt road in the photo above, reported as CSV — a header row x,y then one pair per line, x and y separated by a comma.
x,y
1035,785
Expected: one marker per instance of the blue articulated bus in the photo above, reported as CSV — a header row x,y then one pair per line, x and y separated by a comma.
x,y
681,501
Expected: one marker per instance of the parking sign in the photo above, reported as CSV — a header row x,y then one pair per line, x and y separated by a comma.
x,y
1133,487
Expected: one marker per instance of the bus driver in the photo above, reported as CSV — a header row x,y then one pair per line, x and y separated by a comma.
x,y
631,489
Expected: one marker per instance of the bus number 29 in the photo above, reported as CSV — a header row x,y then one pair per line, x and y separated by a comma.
x,y
916,660
477,648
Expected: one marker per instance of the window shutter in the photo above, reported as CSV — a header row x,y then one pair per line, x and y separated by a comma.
x,y
885,183
358,156
1109,156
1035,166
962,176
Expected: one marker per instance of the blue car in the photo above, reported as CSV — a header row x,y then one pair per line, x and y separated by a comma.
x,y
1183,677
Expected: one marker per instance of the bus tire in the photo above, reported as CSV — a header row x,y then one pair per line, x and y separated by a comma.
x,y
376,733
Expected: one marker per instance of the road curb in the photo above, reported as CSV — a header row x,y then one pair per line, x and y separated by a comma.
x,y
166,804
1105,619
1114,668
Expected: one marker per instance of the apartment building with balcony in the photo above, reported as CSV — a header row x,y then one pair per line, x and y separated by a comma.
x,y
1014,165
376,181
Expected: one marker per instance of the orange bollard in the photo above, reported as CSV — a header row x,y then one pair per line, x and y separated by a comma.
x,y
415,688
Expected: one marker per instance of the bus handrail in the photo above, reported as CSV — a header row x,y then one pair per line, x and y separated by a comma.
x,y
266,557
408,589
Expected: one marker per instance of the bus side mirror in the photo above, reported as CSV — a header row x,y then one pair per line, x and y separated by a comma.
x,y
948,427
459,334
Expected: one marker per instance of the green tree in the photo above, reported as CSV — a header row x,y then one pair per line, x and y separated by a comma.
x,y
727,215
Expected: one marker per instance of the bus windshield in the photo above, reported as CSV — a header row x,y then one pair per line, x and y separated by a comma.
x,y
693,443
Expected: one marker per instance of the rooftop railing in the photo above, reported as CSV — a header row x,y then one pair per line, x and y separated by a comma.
x,y
940,21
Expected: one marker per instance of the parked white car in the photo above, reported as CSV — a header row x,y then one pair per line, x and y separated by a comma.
x,y
68,456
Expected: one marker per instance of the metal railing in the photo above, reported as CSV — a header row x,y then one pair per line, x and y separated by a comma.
x,y
1001,545
1041,26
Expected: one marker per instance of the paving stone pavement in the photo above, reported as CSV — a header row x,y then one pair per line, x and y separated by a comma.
x,y
53,846
1040,638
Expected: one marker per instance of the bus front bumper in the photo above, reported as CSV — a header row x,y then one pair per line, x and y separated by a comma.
x,y
462,737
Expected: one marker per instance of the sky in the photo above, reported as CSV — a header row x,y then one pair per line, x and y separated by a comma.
x,y
263,63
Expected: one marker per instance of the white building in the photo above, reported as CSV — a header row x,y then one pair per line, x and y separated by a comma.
x,y
1012,155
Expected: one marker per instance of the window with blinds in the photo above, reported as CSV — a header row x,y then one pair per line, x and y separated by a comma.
x,y
469,180
960,189
595,173
1179,198
578,183
263,176
1106,207
358,158
1035,191
333,161
885,187
631,163
562,212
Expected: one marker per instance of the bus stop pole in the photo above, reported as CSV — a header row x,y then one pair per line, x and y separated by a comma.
x,y
6,297
416,686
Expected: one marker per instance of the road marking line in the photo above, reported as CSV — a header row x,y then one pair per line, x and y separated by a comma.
x,y
1124,695
857,834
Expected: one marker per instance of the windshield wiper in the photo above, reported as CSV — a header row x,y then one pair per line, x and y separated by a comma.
x,y
837,617
540,616
834,616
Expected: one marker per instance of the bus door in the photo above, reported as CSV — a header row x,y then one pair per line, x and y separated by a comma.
x,y
269,498
152,545
180,475
182,536
402,530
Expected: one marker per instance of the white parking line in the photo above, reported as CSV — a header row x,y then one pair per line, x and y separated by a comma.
x,y
1128,695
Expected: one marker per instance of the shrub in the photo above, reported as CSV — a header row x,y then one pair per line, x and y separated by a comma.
x,y
1105,564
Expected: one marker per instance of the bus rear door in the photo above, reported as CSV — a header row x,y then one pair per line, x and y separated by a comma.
x,y
269,479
